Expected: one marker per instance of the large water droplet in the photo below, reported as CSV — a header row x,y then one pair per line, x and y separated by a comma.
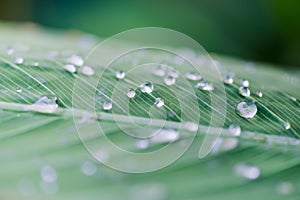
x,y
70,68
87,70
244,91
164,136
247,171
147,87
203,85
246,109
130,93
159,102
19,60
48,174
169,80
88,168
107,105
75,60
120,74
193,76
234,130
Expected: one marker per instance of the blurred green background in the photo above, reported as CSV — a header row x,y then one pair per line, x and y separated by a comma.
x,y
258,30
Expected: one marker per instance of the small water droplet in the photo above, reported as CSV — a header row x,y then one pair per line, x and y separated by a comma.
x,y
286,125
70,68
245,83
88,168
246,109
225,144
10,52
228,78
120,74
159,71
49,188
247,171
46,104
244,91
259,93
130,93
285,188
174,73
147,87
107,105
204,86
87,70
75,60
234,130
169,80
19,60
36,64
102,155
191,126
19,90
48,174
159,102
193,76
164,136
142,144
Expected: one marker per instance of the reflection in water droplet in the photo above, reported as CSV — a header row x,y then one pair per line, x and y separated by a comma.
x,y
246,109
70,68
147,87
193,76
244,91
48,174
247,171
234,130
169,80
285,188
120,74
159,102
88,168
19,60
107,105
164,136
75,60
87,70
130,93
203,85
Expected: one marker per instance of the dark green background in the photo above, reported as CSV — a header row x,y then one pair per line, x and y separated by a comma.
x,y
263,30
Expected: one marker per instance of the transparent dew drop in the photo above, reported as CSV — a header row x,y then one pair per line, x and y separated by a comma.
x,y
286,125
70,68
87,70
246,109
244,91
147,87
285,188
19,90
191,126
234,130
75,60
193,76
120,74
225,144
107,105
36,64
228,78
259,93
174,73
203,85
245,83
142,144
46,104
88,168
10,52
169,80
247,171
19,60
130,93
49,188
159,71
48,174
164,136
159,102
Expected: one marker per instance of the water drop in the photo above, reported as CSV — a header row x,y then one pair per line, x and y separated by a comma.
x,y
259,93
159,102
174,73
244,91
107,105
87,70
159,71
193,76
120,74
70,68
46,104
286,125
19,60
102,156
246,109
147,87
169,80
88,168
225,144
48,174
285,188
234,130
228,78
75,60
204,86
245,83
247,171
191,126
49,188
19,90
142,144
165,136
10,52
130,93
